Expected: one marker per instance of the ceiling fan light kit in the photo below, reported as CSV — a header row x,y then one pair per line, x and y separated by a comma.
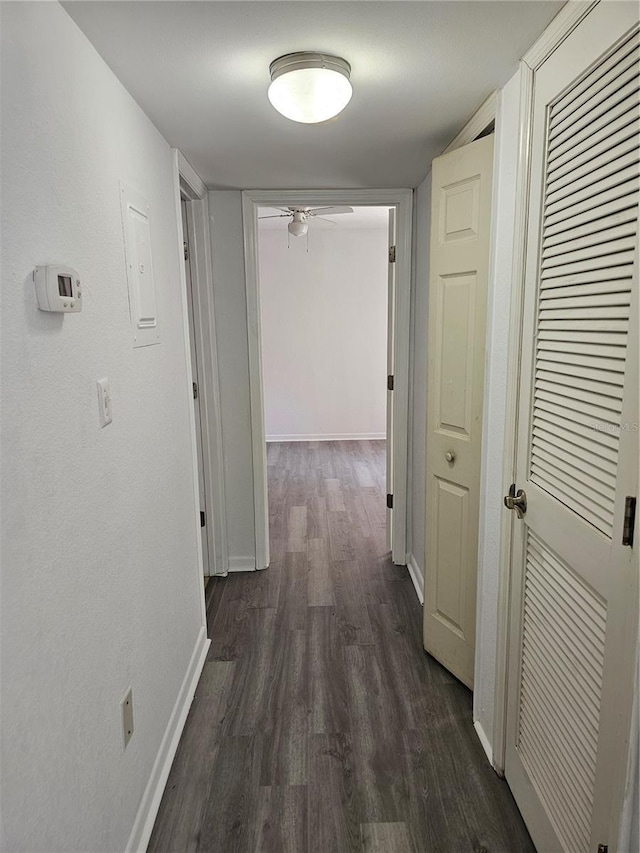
x,y
310,87
298,225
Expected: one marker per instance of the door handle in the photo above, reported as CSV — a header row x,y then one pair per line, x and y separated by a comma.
x,y
450,456
516,500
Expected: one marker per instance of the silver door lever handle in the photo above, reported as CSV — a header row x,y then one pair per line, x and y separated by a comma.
x,y
517,501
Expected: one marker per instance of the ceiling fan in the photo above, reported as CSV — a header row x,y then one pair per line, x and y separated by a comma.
x,y
300,217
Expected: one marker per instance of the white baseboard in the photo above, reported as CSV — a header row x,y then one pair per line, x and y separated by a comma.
x,y
242,564
150,803
484,740
335,436
416,576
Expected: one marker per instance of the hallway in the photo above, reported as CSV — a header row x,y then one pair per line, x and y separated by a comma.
x,y
319,724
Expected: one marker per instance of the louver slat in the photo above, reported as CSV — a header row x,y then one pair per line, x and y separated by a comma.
x,y
599,104
623,109
594,144
591,223
589,235
593,167
584,87
608,242
562,667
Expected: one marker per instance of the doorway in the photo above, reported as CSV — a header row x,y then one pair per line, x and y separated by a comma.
x,y
400,201
324,279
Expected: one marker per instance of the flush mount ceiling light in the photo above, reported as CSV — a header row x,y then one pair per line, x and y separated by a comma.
x,y
310,87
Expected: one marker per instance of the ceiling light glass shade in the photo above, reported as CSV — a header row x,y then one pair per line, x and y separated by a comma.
x,y
298,228
310,87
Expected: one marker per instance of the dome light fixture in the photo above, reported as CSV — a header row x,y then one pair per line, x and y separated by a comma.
x,y
310,87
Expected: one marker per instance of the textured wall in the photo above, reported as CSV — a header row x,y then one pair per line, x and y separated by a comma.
x,y
100,583
324,333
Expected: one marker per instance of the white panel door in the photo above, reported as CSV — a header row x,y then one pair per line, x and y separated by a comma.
x,y
391,320
459,270
574,609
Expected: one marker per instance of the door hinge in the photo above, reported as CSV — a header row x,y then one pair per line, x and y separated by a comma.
x,y
389,383
392,254
603,848
203,519
186,250
629,521
389,501
195,390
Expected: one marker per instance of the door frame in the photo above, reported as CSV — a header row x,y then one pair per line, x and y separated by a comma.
x,y
402,200
192,190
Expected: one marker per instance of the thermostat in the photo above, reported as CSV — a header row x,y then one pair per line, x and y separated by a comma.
x,y
58,289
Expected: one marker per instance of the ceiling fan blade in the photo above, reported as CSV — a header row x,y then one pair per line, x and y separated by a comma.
x,y
321,222
276,216
329,211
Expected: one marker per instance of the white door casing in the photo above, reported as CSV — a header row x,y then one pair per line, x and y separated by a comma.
x,y
391,299
573,613
458,281
190,189
196,398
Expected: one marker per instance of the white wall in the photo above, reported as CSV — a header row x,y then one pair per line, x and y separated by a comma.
x,y
100,578
324,333
230,300
492,512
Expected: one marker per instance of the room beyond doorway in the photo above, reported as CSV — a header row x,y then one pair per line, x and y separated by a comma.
x,y
323,314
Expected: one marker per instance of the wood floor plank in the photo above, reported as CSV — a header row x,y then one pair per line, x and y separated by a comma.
x,y
320,724
333,820
386,838
283,721
334,495
282,819
297,529
229,824
341,541
320,589
294,592
328,691
188,787
317,526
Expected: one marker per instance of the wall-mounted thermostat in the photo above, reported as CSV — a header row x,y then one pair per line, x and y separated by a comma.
x,y
58,289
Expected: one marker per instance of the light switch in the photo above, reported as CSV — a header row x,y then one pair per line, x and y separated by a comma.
x,y
104,402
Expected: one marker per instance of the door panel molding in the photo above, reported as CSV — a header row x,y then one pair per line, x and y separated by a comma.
x,y
402,200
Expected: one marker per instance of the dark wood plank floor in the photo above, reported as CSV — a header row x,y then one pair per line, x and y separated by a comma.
x,y
320,725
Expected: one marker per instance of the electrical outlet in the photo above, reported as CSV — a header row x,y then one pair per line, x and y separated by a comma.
x,y
126,707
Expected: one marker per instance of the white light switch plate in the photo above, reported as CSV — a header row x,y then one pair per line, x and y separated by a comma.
x,y
104,402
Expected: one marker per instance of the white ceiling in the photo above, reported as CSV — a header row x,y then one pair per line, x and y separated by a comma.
x,y
200,70
362,217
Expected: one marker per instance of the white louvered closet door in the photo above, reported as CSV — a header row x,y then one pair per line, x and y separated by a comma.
x,y
574,614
